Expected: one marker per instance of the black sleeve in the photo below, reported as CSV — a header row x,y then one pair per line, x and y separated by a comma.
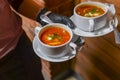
x,y
41,12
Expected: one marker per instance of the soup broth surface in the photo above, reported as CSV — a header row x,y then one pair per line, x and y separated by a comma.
x,y
89,10
54,36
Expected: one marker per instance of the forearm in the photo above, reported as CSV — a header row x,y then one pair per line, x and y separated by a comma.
x,y
28,11
27,24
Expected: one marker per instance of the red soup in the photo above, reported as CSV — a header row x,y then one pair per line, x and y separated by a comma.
x,y
89,10
54,36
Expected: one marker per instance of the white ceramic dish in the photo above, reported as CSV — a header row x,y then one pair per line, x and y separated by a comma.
x,y
103,31
45,57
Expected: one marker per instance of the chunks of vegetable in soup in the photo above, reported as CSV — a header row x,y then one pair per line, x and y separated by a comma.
x,y
54,36
89,10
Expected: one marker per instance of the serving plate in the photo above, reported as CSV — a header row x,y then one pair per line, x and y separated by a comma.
x,y
103,31
45,57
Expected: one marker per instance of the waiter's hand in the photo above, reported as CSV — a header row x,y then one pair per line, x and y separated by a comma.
x,y
56,18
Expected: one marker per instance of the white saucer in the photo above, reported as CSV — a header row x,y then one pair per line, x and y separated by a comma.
x,y
45,57
103,31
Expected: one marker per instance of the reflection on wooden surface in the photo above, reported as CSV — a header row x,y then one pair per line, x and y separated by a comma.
x,y
99,59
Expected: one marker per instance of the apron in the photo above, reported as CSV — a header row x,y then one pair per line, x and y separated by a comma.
x,y
10,28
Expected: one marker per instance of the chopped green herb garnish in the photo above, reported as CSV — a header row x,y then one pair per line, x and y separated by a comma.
x,y
93,12
53,36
